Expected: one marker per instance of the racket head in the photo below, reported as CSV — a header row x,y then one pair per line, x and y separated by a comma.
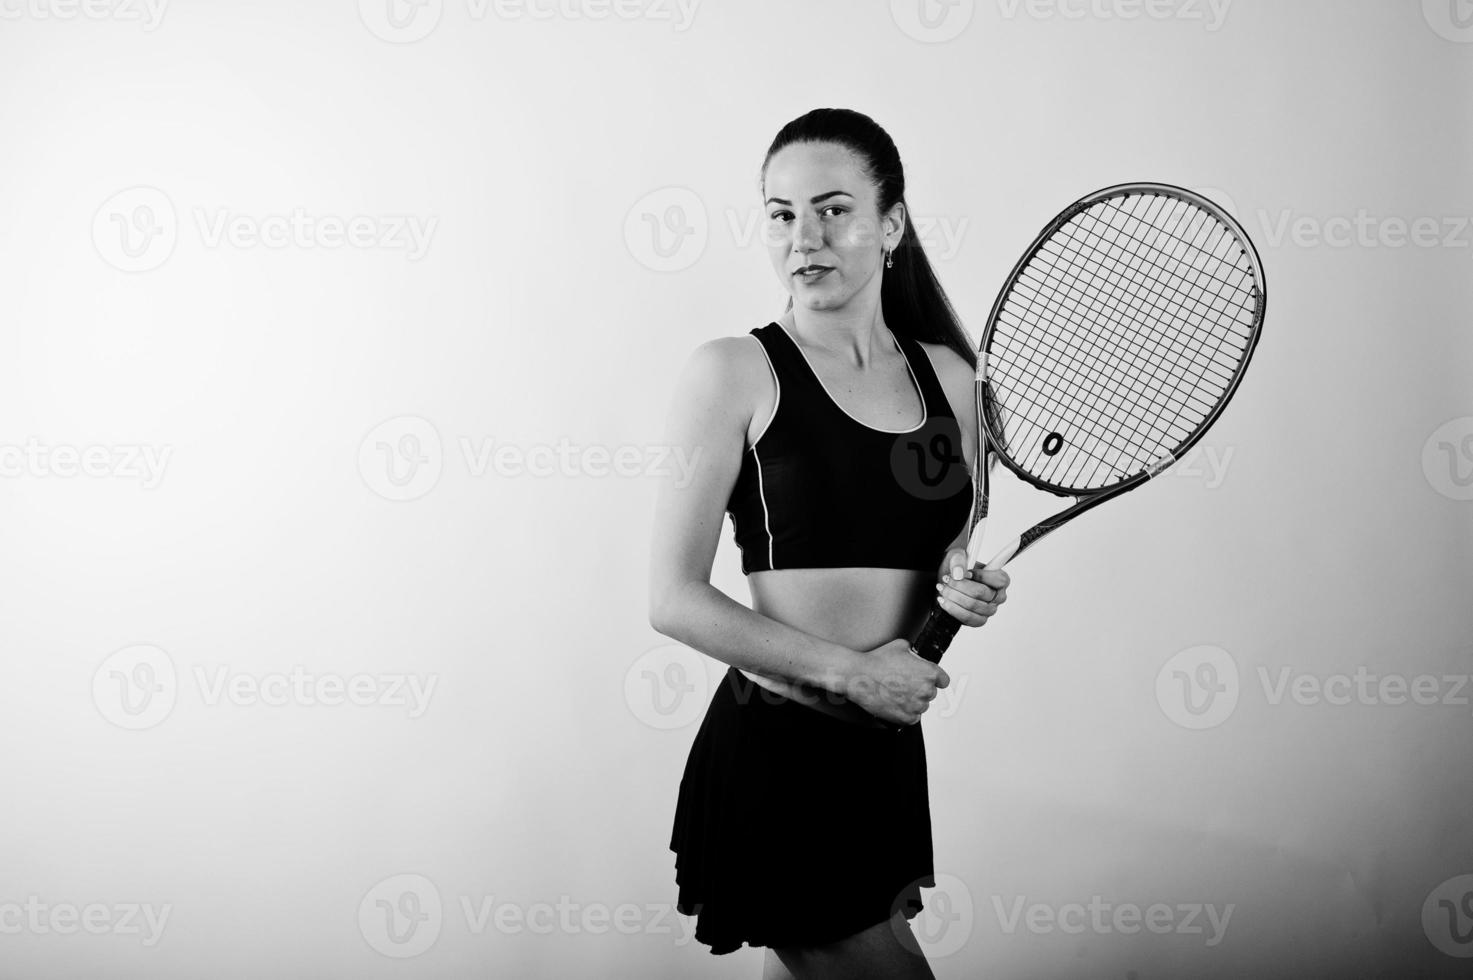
x,y
1118,338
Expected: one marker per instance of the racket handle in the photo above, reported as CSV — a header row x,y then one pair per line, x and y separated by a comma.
x,y
936,635
940,627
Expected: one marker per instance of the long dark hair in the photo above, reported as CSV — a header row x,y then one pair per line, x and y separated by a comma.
x,y
911,298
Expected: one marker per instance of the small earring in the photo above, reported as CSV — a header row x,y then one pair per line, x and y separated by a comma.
x,y
889,259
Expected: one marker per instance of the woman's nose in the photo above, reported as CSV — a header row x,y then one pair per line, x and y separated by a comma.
x,y
807,233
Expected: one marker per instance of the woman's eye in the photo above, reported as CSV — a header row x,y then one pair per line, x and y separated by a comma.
x,y
835,207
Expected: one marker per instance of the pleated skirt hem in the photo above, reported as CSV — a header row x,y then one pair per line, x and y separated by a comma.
x,y
793,828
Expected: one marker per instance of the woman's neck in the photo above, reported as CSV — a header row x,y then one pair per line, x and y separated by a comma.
x,y
849,336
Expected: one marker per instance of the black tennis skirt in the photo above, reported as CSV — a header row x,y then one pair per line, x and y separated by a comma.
x,y
793,828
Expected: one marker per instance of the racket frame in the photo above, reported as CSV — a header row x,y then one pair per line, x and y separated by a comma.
x,y
940,627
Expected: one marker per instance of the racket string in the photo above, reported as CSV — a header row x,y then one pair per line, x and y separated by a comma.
x,y
1151,318
1116,358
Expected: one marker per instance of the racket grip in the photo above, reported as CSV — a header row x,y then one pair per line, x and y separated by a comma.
x,y
936,635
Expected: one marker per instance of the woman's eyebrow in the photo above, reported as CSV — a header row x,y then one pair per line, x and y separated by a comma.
x,y
815,200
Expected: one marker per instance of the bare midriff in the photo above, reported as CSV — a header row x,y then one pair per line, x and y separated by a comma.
x,y
859,608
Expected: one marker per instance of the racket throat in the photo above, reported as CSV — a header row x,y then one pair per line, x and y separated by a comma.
x,y
974,548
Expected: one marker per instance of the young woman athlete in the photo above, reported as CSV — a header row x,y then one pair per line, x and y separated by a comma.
x,y
838,438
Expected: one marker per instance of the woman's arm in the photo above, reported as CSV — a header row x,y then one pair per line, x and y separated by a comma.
x,y
970,596
708,420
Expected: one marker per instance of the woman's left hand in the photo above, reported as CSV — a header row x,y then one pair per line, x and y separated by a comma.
x,y
970,596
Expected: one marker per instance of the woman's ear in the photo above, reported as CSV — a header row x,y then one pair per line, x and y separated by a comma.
x,y
895,220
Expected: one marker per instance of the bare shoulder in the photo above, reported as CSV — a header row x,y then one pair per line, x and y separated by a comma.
x,y
952,370
732,365
725,382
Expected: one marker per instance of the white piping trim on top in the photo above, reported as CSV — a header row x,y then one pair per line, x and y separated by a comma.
x,y
777,401
925,409
766,520
761,488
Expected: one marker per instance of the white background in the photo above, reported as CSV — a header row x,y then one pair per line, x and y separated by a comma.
x,y
584,178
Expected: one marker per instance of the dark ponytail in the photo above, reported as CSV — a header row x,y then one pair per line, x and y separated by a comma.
x,y
911,298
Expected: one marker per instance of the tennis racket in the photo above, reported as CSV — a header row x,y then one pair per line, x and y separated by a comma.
x,y
1116,341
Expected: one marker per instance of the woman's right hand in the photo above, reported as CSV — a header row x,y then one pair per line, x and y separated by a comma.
x,y
894,684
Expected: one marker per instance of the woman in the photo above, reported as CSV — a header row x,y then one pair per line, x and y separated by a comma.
x,y
831,435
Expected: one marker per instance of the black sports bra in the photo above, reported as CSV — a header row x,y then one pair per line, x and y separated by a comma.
x,y
820,489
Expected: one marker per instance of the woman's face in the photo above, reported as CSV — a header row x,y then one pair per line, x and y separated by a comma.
x,y
822,212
